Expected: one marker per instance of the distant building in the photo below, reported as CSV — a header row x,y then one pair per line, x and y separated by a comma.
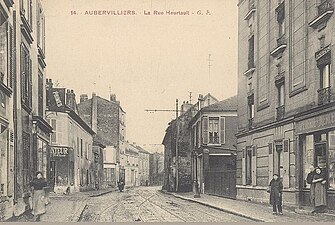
x,y
156,172
130,160
213,145
71,156
144,166
177,153
107,119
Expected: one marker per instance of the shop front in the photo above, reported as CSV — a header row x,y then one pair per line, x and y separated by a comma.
x,y
316,135
61,168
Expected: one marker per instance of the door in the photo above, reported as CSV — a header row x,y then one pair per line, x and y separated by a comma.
x,y
52,173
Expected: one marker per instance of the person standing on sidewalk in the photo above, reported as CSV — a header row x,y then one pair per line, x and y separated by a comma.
x,y
309,180
319,179
38,185
276,189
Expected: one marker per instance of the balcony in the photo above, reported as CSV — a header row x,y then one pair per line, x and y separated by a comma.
x,y
252,9
281,45
213,139
324,95
280,112
325,10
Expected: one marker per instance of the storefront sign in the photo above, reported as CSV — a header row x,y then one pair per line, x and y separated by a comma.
x,y
59,151
320,122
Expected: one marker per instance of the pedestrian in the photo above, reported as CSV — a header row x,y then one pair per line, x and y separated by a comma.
x,y
38,184
309,180
276,189
320,197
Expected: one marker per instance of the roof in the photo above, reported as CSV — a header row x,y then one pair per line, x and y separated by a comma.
x,y
229,104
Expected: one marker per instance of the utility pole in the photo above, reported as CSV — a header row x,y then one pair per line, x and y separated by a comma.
x,y
177,158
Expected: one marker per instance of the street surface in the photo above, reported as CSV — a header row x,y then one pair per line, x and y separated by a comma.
x,y
148,204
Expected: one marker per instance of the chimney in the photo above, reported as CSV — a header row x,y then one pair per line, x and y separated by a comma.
x,y
201,101
70,99
49,83
83,97
185,107
113,97
94,122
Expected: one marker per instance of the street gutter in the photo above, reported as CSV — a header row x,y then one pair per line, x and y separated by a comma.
x,y
214,207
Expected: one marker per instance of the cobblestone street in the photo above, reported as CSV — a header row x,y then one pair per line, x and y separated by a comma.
x,y
147,204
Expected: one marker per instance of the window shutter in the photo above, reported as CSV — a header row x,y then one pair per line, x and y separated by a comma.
x,y
53,136
11,61
205,130
244,167
22,67
223,130
30,87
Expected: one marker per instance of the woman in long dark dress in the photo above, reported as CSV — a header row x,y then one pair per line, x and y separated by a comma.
x,y
320,197
38,185
309,180
276,189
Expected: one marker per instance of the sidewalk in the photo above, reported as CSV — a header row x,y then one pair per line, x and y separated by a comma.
x,y
254,211
64,208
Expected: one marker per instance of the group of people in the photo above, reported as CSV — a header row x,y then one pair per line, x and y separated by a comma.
x,y
317,180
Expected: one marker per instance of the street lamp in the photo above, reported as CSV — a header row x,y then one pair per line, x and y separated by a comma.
x,y
195,181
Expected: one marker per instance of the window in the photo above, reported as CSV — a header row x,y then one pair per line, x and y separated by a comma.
x,y
40,94
26,73
251,53
41,30
213,131
81,147
26,161
27,10
251,107
281,95
3,49
249,166
54,133
325,72
331,162
281,19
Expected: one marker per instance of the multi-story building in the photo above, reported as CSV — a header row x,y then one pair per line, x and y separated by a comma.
x,y
130,160
71,155
213,145
286,97
107,119
143,166
24,132
156,171
177,154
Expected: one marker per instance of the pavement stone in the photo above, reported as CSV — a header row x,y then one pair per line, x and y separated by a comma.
x,y
63,208
254,211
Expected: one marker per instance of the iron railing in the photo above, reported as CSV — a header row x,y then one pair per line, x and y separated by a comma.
x,y
325,6
280,112
324,95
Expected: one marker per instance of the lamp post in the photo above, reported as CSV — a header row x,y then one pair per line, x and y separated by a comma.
x,y
195,181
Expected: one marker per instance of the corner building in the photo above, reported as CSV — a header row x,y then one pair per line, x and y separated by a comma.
x,y
286,103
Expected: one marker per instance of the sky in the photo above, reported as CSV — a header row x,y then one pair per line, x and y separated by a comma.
x,y
148,61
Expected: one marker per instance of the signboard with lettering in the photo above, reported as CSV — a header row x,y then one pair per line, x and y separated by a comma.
x,y
324,121
59,151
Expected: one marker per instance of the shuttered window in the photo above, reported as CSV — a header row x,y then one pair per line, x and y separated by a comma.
x,y
223,130
54,134
205,130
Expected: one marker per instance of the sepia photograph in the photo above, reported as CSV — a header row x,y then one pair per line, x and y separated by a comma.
x,y
167,111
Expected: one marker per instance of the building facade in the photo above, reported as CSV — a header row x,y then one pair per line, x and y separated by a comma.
x,y
156,172
98,165
143,166
213,145
177,153
108,120
285,94
130,159
71,155
24,132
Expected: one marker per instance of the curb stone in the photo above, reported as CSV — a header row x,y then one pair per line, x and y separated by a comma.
x,y
214,207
